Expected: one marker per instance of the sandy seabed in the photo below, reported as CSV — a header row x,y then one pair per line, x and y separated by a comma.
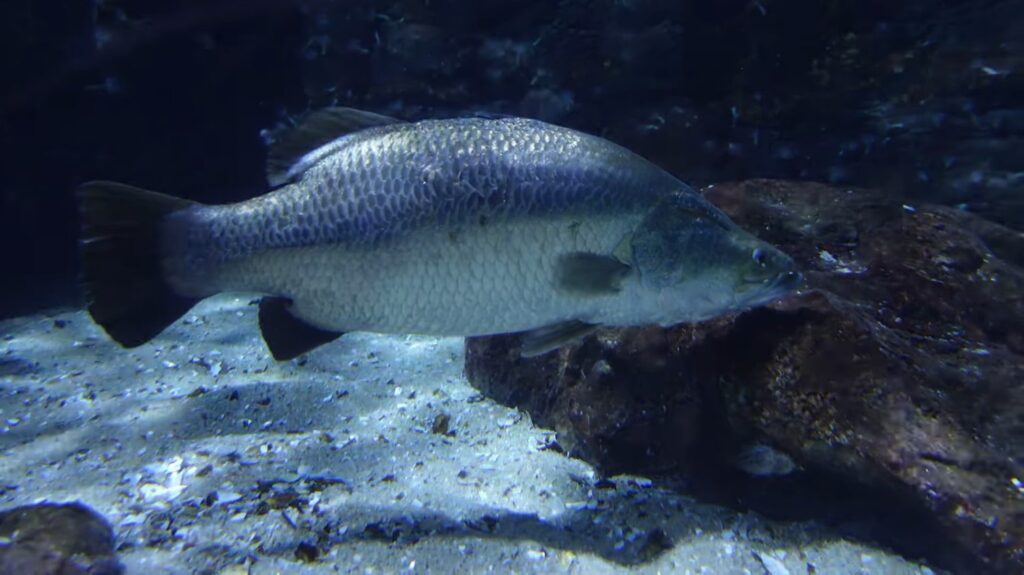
x,y
369,455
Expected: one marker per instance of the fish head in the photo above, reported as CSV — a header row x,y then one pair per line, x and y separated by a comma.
x,y
694,263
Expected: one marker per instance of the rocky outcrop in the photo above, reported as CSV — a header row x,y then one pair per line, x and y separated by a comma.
x,y
897,368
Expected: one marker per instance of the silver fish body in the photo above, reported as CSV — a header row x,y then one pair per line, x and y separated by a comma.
x,y
474,226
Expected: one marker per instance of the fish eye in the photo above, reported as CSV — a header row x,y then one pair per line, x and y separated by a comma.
x,y
759,257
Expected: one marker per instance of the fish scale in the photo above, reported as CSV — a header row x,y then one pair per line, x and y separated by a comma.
x,y
447,227
500,278
386,184
464,172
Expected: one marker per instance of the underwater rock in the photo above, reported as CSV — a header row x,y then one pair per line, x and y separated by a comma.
x,y
56,539
898,366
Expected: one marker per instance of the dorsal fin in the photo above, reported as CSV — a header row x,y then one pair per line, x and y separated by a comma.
x,y
287,157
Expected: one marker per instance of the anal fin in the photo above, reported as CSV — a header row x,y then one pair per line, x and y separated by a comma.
x,y
287,336
551,337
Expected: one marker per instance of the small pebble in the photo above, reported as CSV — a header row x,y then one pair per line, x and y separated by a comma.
x,y
536,554
772,565
307,552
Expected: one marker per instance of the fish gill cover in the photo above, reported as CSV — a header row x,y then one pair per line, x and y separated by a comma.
x,y
883,400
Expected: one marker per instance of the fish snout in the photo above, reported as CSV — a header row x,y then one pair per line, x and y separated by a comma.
x,y
788,280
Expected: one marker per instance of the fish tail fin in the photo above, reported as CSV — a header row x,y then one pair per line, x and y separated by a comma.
x,y
122,253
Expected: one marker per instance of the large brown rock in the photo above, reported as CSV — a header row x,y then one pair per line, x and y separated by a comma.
x,y
899,367
56,539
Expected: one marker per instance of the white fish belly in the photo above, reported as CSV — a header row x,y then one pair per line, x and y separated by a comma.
x,y
475,280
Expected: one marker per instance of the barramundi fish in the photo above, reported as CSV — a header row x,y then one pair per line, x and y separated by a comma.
x,y
455,227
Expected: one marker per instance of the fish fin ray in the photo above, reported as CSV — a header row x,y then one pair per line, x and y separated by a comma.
x,y
589,275
287,336
285,157
121,257
551,337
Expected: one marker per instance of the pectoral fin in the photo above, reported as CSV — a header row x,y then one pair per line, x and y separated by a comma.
x,y
286,335
551,337
588,275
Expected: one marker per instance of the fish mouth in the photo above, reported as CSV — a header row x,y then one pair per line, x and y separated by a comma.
x,y
787,281
782,281
779,285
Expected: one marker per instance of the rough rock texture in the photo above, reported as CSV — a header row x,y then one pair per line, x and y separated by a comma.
x,y
56,539
898,368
